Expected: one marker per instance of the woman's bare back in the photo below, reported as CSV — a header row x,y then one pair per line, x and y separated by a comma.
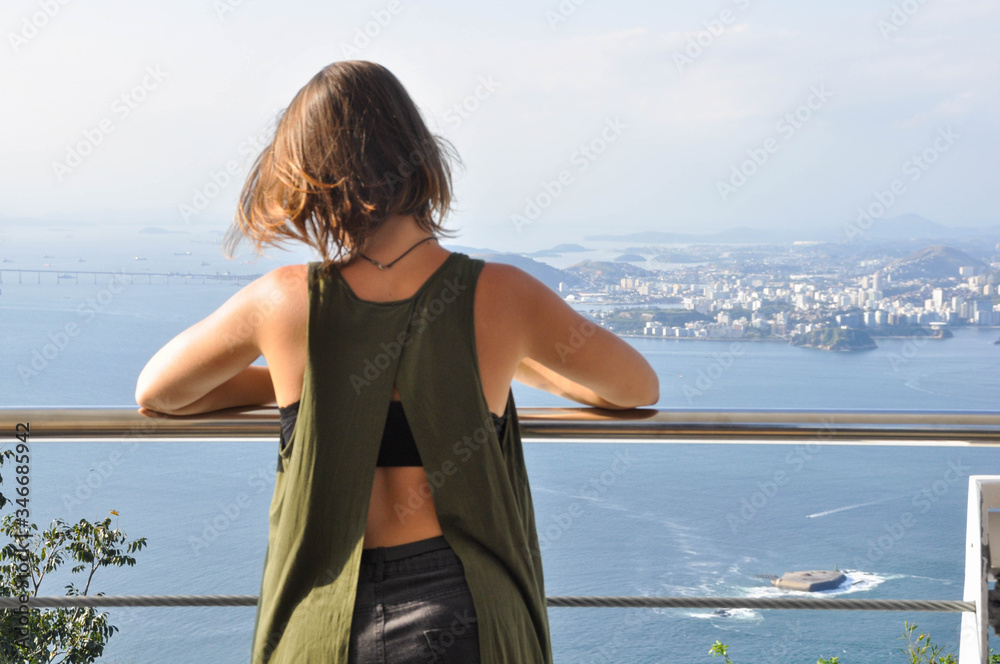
x,y
284,341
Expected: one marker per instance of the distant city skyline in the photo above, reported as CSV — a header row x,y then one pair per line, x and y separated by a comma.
x,y
572,118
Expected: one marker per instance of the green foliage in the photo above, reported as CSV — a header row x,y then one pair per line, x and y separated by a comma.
x,y
921,650
57,636
917,650
632,321
720,648
4,454
835,338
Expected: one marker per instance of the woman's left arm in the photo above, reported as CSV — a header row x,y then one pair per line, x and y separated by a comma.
x,y
208,366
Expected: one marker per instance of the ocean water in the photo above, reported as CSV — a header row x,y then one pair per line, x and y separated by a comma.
x,y
623,519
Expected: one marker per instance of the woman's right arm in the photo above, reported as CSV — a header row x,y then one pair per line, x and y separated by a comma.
x,y
568,354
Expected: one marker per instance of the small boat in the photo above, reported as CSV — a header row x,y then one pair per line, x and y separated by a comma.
x,y
997,342
81,260
7,260
204,262
182,253
66,276
140,258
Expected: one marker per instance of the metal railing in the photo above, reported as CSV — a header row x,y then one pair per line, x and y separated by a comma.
x,y
576,424
641,424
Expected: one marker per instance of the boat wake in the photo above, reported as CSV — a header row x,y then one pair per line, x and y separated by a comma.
x,y
848,507
729,614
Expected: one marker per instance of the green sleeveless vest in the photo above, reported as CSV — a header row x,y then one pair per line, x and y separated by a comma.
x,y
357,351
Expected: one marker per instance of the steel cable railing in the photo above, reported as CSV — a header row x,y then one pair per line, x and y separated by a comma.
x,y
948,606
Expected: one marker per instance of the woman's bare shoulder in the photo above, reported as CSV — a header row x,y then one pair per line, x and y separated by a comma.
x,y
282,289
501,278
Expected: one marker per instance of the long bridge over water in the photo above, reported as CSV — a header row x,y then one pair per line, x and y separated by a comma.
x,y
57,276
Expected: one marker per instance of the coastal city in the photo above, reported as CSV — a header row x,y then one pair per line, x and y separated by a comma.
x,y
809,294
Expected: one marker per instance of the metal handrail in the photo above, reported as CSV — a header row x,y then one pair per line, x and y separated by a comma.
x,y
643,424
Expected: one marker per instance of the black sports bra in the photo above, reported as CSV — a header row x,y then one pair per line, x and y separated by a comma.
x,y
398,447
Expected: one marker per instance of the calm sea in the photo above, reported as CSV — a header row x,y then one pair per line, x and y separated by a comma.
x,y
622,519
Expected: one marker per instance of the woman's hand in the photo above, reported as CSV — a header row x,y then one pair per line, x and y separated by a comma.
x,y
534,374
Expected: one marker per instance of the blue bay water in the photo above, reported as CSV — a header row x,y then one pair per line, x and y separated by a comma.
x,y
629,519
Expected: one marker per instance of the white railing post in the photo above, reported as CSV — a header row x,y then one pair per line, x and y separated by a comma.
x,y
984,495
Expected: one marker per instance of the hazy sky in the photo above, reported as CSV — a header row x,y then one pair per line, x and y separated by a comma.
x,y
122,111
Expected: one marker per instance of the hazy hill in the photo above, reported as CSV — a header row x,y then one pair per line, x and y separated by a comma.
x,y
908,227
739,235
934,262
607,270
547,274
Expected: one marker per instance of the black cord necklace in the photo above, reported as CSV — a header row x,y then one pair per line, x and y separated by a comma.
x,y
388,265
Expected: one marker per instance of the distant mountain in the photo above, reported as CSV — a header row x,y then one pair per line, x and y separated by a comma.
x,y
909,227
915,228
547,274
568,248
935,262
739,235
675,256
468,251
559,250
606,270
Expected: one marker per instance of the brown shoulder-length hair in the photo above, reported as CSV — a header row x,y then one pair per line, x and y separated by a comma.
x,y
348,152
